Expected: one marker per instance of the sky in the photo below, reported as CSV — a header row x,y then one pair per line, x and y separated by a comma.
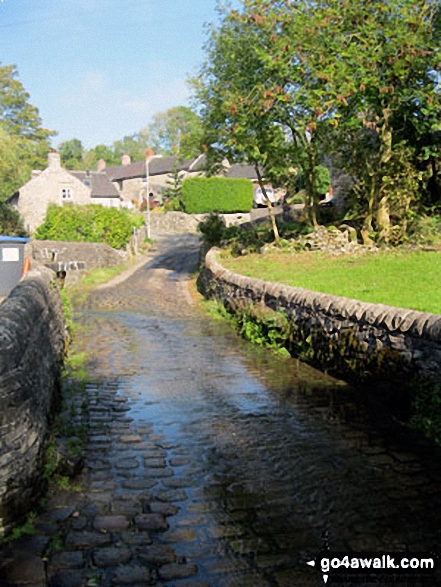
x,y
98,70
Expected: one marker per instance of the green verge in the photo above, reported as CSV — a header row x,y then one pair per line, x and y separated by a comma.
x,y
403,279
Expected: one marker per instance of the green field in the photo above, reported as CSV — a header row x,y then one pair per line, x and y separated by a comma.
x,y
404,279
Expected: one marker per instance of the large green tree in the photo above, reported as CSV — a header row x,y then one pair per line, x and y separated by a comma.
x,y
353,68
71,153
177,131
24,143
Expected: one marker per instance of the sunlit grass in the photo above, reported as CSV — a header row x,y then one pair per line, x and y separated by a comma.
x,y
404,279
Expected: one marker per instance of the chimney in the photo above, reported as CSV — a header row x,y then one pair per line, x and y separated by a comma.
x,y
53,160
101,165
126,159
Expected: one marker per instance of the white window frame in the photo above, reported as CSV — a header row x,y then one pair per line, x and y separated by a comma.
x,y
66,194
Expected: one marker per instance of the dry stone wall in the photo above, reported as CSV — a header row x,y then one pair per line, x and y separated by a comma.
x,y
32,341
352,339
72,256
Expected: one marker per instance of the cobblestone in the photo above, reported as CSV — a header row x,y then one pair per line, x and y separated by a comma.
x,y
218,468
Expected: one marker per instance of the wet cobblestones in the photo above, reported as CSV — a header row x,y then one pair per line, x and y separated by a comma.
x,y
210,464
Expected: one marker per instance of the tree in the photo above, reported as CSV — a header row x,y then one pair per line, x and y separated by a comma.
x,y
172,194
176,131
10,221
71,153
91,157
18,117
24,143
14,169
133,145
328,70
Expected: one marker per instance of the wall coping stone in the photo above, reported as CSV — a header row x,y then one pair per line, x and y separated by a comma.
x,y
397,320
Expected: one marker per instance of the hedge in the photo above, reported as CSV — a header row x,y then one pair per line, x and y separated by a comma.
x,y
90,223
217,194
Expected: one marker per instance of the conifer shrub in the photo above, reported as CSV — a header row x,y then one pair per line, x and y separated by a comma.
x,y
202,195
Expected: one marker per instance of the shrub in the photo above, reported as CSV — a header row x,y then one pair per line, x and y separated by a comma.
x,y
217,194
212,229
91,223
10,221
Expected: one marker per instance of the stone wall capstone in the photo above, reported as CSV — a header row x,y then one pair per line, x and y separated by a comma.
x,y
32,342
350,338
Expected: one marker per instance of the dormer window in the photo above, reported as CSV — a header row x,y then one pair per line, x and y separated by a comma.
x,y
66,194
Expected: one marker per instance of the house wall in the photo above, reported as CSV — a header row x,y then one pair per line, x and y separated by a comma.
x,y
38,193
134,189
106,202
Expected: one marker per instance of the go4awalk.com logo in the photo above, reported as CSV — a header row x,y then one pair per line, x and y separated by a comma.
x,y
340,566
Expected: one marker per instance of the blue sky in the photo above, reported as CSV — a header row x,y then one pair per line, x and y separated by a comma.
x,y
100,69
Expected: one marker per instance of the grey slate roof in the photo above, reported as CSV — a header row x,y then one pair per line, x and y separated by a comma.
x,y
243,170
157,166
101,186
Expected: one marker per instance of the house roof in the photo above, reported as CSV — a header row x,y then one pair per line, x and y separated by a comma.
x,y
99,183
243,170
157,166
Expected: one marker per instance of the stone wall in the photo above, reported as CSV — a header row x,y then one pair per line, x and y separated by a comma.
x,y
71,256
32,342
355,340
180,222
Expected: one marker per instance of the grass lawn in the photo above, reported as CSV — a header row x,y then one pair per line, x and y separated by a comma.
x,y
404,279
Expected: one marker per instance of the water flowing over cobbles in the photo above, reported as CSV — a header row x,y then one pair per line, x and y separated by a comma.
x,y
210,462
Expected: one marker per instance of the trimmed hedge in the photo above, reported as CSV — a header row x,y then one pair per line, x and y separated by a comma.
x,y
90,223
217,194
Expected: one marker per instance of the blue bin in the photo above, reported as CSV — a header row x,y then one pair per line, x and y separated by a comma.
x,y
11,262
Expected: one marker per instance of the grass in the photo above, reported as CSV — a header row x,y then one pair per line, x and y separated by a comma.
x,y
99,276
404,279
79,292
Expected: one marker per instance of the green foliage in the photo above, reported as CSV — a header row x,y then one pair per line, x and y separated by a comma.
x,y
24,143
172,193
212,229
285,83
240,241
71,154
427,410
91,223
10,221
264,327
26,529
176,131
217,194
322,180
67,308
425,229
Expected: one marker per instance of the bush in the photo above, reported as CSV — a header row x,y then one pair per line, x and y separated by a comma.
x,y
217,194
91,223
10,221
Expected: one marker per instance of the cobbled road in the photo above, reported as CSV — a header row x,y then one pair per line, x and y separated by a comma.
x,y
209,462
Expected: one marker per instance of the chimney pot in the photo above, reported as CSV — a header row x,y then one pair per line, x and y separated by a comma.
x,y
126,159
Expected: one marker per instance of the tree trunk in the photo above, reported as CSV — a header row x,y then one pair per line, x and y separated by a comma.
x,y
367,228
382,216
310,187
269,203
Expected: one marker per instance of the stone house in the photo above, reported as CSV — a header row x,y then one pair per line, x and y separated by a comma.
x,y
57,185
131,177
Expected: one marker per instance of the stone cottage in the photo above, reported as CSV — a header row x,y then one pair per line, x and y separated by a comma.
x,y
131,177
56,185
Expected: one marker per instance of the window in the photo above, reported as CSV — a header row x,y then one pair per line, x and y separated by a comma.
x,y
66,194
